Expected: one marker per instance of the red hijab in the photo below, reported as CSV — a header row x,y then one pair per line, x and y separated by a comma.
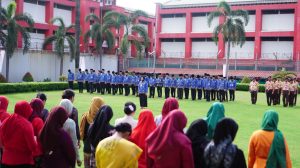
x,y
23,109
169,105
145,126
37,106
166,135
3,108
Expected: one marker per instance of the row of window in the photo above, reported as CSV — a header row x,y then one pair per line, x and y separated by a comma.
x,y
43,3
210,39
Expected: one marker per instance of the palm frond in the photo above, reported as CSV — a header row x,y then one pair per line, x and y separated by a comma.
x,y
71,43
26,38
72,26
213,15
59,46
3,15
11,9
86,36
99,41
49,40
217,30
12,37
142,32
124,45
27,18
139,47
93,17
241,13
110,38
223,5
59,20
137,13
111,14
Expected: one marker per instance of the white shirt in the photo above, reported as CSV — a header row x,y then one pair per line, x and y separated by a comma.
x,y
127,119
70,127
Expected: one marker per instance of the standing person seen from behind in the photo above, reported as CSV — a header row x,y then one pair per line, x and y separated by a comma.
x,y
143,90
71,78
253,88
129,110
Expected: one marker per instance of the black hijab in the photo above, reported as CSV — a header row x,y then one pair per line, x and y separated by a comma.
x,y
100,128
226,128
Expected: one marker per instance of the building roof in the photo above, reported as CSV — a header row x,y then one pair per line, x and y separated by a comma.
x,y
206,3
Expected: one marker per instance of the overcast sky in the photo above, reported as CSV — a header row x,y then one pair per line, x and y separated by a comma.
x,y
145,5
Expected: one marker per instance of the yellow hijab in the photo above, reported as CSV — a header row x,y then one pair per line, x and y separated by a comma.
x,y
89,116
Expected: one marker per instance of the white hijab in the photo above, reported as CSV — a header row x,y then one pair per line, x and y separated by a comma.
x,y
67,104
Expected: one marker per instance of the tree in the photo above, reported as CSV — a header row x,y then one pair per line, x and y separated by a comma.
x,y
9,21
77,34
116,20
60,36
98,33
232,29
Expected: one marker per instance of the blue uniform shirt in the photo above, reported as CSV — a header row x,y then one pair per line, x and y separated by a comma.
x,y
126,79
193,82
221,85
226,84
143,87
91,77
71,76
199,83
152,81
180,83
173,82
102,77
159,82
187,83
87,77
207,85
231,84
80,77
167,82
214,84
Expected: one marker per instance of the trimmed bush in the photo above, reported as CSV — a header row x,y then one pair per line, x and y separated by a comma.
x,y
246,80
2,79
27,77
63,78
284,74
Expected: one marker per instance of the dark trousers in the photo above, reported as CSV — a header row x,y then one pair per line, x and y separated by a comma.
x,y
207,95
173,91
98,87
143,100
127,89
279,95
186,93
95,86
114,89
102,87
91,87
137,90
275,97
291,98
295,98
213,94
199,94
87,86
80,87
152,91
71,85
204,93
167,92
285,98
269,97
159,91
218,94
120,88
193,92
232,95
180,93
226,95
222,95
253,97
133,89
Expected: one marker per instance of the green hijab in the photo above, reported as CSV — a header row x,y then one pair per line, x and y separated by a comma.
x,y
214,115
276,157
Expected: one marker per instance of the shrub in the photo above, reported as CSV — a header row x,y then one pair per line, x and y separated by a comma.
x,y
246,80
47,80
284,74
2,79
27,77
63,78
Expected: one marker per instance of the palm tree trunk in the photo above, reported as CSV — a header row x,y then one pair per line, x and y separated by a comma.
x,y
100,57
77,34
61,66
7,68
227,59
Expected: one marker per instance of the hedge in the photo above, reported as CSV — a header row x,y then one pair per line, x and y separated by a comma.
x,y
47,86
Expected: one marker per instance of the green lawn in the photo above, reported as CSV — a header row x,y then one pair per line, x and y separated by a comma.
x,y
248,116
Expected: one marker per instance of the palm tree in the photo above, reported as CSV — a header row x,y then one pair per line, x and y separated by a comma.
x,y
116,20
77,34
232,29
99,33
60,36
9,21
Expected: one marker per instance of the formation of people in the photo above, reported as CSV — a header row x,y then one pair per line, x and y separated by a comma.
x,y
145,85
32,136
274,88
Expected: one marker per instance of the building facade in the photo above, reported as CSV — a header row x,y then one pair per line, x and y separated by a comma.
x,y
273,31
43,11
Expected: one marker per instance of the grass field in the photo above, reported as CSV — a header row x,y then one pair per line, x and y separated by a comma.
x,y
248,116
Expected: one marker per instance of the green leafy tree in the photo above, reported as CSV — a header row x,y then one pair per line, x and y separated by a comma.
x,y
99,33
60,36
9,21
232,29
77,34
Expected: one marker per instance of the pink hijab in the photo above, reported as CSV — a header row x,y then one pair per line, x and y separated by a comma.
x,y
169,105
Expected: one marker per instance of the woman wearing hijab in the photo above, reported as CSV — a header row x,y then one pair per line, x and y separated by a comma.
x,y
116,151
167,146
221,152
100,129
17,138
86,121
70,126
36,117
197,134
268,147
215,114
145,127
3,108
56,143
169,105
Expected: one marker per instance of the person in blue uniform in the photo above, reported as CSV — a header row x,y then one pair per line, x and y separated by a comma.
x,y
107,79
71,78
133,83
187,85
226,89
121,82
173,86
204,81
159,85
167,84
207,88
193,86
152,84
231,88
127,82
97,81
199,87
136,83
180,86
213,88
113,82
91,80
143,90
102,82
86,79
218,91
80,79
221,88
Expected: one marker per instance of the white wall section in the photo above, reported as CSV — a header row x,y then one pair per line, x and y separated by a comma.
x,y
278,22
173,25
204,49
36,11
173,49
283,50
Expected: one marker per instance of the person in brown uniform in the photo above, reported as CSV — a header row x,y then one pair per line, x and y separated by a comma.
x,y
253,88
292,93
285,92
296,84
275,94
269,90
280,90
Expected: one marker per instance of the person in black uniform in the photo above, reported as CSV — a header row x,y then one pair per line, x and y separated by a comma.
x,y
159,85
173,85
193,86
167,84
